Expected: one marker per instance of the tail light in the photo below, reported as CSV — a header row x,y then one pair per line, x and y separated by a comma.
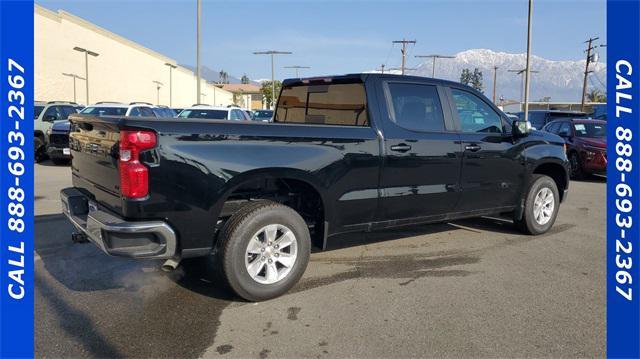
x,y
134,176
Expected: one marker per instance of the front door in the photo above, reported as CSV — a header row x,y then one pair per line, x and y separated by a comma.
x,y
422,155
493,169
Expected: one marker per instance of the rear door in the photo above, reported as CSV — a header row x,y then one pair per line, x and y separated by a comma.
x,y
421,152
492,165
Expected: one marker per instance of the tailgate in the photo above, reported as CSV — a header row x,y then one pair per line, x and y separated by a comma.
x,y
94,149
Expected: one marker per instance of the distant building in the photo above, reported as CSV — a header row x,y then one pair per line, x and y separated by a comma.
x,y
123,71
245,95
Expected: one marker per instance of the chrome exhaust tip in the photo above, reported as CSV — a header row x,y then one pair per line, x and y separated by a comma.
x,y
170,264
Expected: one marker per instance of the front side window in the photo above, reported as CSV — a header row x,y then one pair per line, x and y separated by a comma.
x,y
147,112
51,114
37,110
475,115
338,104
416,107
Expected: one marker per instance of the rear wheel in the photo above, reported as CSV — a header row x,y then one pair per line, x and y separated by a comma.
x,y
264,250
542,203
38,149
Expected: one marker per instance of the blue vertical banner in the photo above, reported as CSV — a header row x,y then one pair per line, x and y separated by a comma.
x,y
16,181
623,179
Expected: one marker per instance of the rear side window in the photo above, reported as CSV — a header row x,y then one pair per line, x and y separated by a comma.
x,y
105,111
416,107
339,104
208,114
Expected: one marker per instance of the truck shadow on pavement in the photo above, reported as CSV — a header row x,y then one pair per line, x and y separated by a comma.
x,y
89,304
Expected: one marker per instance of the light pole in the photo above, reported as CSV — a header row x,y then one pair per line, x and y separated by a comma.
x,y
158,86
273,70
434,57
74,76
528,66
198,53
86,67
297,67
171,67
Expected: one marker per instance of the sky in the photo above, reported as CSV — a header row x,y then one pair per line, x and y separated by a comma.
x,y
335,37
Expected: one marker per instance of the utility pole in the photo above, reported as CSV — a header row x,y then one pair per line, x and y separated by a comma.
x,y
528,66
404,51
198,52
297,67
495,78
74,76
86,67
586,70
171,67
521,72
273,70
158,85
381,69
434,57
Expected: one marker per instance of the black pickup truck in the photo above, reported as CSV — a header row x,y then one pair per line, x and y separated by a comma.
x,y
344,153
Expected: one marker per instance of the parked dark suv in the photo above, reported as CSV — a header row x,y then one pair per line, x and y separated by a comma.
x,y
586,143
539,118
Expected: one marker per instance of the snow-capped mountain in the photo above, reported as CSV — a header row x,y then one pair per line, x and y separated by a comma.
x,y
559,80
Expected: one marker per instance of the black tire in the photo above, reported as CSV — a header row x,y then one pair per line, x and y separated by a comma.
x,y
576,168
38,150
528,224
234,238
60,161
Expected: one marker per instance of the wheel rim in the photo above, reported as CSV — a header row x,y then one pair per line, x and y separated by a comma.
x,y
271,254
543,206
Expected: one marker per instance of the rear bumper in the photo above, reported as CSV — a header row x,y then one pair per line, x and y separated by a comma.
x,y
114,235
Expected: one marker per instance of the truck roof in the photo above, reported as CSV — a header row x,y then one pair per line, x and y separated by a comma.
x,y
362,77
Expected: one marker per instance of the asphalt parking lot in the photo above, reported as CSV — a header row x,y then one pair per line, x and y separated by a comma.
x,y
472,288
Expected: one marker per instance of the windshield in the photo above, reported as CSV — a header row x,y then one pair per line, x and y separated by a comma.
x,y
593,130
263,114
37,110
105,111
209,114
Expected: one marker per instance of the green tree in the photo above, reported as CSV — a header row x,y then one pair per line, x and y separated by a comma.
x,y
223,77
476,80
266,92
465,77
245,79
596,95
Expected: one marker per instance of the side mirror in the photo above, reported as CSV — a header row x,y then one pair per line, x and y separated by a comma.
x,y
50,118
521,128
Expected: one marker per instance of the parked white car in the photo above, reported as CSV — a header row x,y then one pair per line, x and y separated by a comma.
x,y
142,109
214,113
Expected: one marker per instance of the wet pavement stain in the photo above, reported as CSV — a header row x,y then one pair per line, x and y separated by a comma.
x,y
292,313
224,349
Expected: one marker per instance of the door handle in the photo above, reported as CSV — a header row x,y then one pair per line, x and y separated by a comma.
x,y
401,147
472,148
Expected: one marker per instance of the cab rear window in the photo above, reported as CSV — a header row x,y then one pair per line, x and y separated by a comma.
x,y
336,104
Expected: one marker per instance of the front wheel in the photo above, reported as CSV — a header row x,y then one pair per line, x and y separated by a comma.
x,y
38,150
576,167
541,206
264,250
